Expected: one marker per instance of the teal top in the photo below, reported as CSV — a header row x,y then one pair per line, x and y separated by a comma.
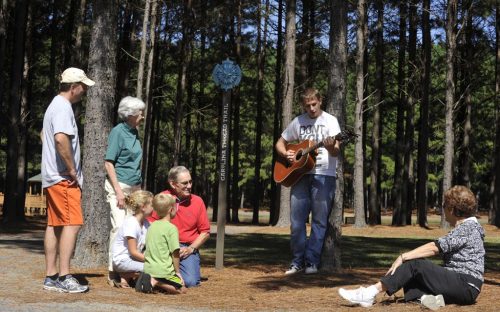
x,y
125,152
162,240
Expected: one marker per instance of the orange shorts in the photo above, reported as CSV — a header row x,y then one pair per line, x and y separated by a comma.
x,y
64,204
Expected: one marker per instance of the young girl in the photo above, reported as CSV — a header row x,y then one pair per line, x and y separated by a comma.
x,y
128,246
161,263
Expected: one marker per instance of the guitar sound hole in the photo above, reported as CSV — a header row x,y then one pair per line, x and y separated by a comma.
x,y
298,155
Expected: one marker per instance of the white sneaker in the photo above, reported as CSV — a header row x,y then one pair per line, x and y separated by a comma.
x,y
311,269
357,296
293,270
432,302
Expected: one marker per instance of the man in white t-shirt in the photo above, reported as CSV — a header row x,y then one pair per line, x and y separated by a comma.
x,y
315,191
62,179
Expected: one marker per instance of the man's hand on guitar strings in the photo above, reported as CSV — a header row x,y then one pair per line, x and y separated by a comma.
x,y
290,156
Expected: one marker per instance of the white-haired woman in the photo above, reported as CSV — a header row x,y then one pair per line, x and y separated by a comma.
x,y
123,165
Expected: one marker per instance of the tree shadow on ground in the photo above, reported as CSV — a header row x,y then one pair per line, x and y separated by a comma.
x,y
321,280
30,225
491,282
254,250
32,245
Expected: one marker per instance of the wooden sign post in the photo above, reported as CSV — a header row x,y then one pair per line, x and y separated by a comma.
x,y
226,75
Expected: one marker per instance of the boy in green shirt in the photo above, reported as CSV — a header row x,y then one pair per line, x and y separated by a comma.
x,y
161,260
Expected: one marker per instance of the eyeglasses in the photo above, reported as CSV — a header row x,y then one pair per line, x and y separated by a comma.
x,y
185,183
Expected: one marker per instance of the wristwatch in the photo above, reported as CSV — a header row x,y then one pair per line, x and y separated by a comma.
x,y
194,249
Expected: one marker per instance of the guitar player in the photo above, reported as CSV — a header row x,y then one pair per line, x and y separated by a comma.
x,y
314,192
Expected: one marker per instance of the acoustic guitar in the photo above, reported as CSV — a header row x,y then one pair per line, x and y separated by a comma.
x,y
287,174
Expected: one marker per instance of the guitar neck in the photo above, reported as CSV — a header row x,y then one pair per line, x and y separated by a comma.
x,y
322,143
312,148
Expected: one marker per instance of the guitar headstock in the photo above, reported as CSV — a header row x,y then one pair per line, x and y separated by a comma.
x,y
346,136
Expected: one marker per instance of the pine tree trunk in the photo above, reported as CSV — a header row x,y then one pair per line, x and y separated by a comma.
x,y
411,90
495,216
464,159
123,61
397,216
361,35
54,45
288,92
69,25
235,190
80,18
305,41
275,188
26,100
184,55
148,99
337,95
449,146
151,168
261,59
423,137
374,216
3,45
189,116
202,188
144,43
13,206
92,244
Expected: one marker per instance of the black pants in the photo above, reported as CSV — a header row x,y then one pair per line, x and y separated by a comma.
x,y
419,277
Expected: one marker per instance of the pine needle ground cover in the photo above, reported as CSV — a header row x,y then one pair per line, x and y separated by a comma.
x,y
252,280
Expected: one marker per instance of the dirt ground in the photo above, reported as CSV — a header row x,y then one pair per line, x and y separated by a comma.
x,y
235,288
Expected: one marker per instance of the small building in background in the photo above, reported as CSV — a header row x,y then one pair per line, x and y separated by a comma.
x,y
35,204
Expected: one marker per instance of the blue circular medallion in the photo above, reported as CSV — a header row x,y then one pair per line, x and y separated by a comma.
x,y
227,75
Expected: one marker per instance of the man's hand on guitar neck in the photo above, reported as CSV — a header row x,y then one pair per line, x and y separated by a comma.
x,y
332,145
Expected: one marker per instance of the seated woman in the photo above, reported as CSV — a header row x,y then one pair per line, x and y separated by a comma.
x,y
459,281
129,244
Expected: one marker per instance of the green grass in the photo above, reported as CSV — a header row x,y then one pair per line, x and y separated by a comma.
x,y
255,250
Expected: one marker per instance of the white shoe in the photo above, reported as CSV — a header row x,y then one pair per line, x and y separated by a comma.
x,y
432,302
293,270
357,296
311,269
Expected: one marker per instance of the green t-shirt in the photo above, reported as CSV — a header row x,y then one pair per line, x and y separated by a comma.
x,y
162,240
125,152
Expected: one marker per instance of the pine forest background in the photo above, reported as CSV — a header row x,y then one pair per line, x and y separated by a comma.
x,y
165,51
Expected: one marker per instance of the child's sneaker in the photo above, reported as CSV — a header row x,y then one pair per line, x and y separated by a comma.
x,y
357,296
71,285
50,284
432,302
143,283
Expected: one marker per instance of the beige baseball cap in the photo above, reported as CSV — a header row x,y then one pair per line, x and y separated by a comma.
x,y
73,75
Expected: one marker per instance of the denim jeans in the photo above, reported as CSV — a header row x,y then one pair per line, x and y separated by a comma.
x,y
190,268
312,193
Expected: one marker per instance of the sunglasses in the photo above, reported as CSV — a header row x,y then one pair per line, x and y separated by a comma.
x,y
185,183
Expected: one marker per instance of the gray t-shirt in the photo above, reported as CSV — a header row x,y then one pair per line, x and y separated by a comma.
x,y
59,118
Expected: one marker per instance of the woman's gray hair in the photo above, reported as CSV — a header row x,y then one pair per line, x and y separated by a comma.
x,y
130,106
175,171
